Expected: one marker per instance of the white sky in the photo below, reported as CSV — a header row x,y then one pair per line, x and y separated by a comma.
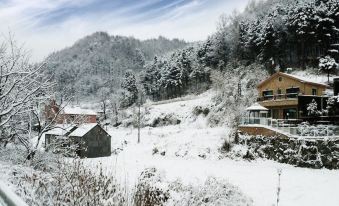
x,y
49,25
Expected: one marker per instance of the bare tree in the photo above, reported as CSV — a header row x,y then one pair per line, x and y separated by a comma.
x,y
327,64
140,100
104,97
21,85
115,107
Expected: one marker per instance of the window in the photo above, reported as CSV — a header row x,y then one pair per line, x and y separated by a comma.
x,y
280,79
314,92
292,92
279,91
267,94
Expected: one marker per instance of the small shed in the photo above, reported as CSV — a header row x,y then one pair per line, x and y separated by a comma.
x,y
60,131
94,141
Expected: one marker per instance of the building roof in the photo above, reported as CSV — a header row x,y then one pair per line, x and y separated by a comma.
x,y
83,129
256,107
61,129
295,77
78,110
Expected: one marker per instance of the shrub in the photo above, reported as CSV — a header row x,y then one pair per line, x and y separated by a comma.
x,y
150,190
72,184
226,146
213,192
51,179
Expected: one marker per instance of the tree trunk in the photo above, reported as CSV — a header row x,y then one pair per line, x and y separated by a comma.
x,y
139,121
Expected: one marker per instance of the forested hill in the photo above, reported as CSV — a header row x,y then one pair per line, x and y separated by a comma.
x,y
271,34
100,60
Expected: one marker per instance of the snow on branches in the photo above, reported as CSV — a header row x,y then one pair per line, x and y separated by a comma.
x,y
327,64
23,86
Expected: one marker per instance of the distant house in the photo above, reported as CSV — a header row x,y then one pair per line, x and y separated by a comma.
x,y
69,114
286,96
91,139
76,114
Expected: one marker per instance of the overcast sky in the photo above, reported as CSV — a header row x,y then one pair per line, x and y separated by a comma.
x,y
48,25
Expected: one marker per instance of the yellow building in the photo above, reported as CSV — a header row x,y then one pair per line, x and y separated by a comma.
x,y
280,94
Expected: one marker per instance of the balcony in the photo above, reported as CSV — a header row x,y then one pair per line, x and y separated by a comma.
x,y
291,127
278,97
281,100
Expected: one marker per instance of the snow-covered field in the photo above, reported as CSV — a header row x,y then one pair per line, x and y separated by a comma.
x,y
189,152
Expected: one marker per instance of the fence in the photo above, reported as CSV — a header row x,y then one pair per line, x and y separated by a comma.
x,y
293,127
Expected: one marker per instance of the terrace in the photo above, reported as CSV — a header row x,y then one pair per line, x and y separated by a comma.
x,y
293,128
278,97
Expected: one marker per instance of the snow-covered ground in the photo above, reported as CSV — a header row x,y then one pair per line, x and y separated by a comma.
x,y
189,152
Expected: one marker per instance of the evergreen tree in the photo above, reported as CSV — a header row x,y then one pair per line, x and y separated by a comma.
x,y
130,90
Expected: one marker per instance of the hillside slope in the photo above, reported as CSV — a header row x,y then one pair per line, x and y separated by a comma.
x,y
189,151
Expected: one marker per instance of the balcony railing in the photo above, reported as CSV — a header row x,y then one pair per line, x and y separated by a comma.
x,y
293,127
278,97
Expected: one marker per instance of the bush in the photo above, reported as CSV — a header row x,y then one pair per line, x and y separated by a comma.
x,y
150,190
165,120
198,110
51,179
154,190
213,192
226,147
72,184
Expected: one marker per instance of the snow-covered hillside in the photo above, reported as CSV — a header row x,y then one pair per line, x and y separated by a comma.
x,y
189,151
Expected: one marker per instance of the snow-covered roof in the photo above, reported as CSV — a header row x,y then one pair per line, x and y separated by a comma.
x,y
316,79
78,110
83,129
256,107
61,129
310,79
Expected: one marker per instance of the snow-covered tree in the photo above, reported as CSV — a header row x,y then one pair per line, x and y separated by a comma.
x,y
333,105
312,108
236,90
22,87
104,57
104,100
139,59
327,64
130,90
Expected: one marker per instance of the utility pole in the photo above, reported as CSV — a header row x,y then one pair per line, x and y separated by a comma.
x,y
139,120
139,114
